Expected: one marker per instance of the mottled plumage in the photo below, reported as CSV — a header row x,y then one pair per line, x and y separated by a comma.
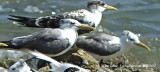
x,y
90,17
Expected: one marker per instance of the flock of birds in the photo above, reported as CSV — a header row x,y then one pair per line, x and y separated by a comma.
x,y
62,32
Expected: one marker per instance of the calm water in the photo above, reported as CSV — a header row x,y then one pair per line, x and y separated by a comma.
x,y
139,16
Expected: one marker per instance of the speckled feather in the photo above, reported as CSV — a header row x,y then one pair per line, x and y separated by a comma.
x,y
91,17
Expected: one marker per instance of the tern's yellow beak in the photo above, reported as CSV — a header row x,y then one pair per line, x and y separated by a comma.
x,y
111,8
83,26
144,46
3,44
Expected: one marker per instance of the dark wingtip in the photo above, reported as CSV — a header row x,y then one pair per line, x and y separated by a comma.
x,y
11,15
14,19
9,18
19,17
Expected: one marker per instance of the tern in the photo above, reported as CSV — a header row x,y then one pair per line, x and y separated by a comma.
x,y
90,16
49,41
104,46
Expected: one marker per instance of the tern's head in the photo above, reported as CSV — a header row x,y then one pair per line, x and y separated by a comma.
x,y
130,39
20,66
99,6
71,23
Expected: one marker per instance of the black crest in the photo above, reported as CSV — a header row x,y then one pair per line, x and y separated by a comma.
x,y
96,2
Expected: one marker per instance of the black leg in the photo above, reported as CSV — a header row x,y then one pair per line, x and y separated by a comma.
x,y
75,47
101,63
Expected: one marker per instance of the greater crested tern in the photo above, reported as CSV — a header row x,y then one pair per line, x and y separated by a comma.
x,y
50,41
19,66
57,66
104,46
91,17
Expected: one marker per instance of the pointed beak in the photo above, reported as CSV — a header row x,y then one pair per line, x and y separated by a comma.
x,y
144,46
3,44
83,26
111,8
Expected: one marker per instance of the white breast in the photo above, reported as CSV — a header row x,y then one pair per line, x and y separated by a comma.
x,y
69,34
97,18
93,17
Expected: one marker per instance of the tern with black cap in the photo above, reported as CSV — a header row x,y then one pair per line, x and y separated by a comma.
x,y
90,16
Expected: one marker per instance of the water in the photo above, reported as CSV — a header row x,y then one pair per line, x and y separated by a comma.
x,y
139,16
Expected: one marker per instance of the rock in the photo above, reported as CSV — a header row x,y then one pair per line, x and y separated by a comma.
x,y
6,63
11,54
78,57
127,63
81,59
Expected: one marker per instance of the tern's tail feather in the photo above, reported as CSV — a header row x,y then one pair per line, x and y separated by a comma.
x,y
41,22
23,21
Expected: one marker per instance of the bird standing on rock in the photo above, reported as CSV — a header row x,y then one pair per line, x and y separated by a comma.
x,y
50,41
102,46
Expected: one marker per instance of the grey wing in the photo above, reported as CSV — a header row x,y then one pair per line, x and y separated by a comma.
x,y
45,41
102,37
48,46
96,47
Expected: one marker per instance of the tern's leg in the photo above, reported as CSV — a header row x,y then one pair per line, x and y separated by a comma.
x,y
101,63
75,46
51,67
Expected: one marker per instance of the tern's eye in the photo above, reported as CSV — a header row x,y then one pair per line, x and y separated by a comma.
x,y
72,23
131,39
13,69
103,4
122,34
62,20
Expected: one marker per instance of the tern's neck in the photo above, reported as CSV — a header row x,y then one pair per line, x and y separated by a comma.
x,y
96,17
125,46
122,47
71,34
93,10
70,29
